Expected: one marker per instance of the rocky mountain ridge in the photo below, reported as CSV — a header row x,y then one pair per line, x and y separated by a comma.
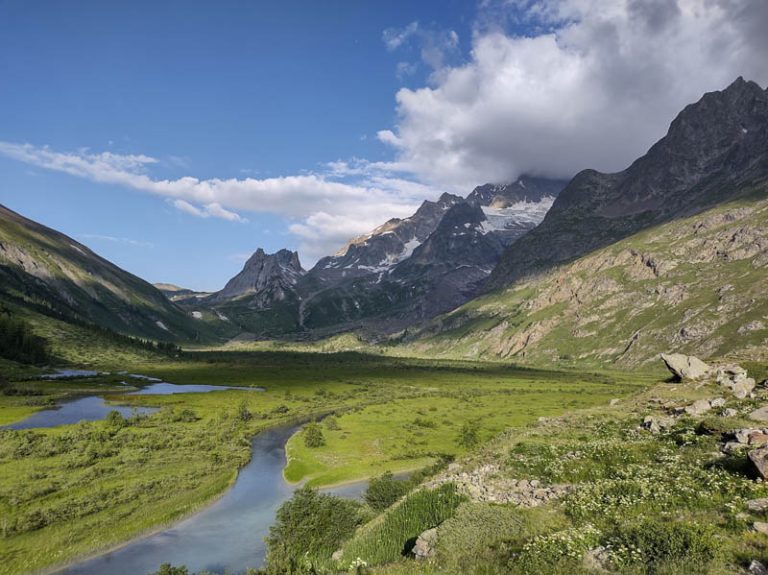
x,y
408,269
713,150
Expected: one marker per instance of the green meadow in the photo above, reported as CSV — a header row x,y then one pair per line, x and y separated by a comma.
x,y
69,491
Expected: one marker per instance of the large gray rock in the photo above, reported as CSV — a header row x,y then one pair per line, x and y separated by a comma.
x,y
758,505
735,378
699,407
760,414
759,459
425,544
685,366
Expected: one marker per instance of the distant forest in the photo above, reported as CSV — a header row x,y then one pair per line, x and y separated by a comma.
x,y
19,343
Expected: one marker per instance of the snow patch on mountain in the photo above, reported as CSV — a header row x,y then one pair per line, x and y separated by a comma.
x,y
520,213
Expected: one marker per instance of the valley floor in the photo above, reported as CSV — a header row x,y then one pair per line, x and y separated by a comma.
x,y
68,491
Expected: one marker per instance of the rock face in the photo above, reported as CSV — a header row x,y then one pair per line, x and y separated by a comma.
x,y
384,247
685,366
266,279
425,544
711,149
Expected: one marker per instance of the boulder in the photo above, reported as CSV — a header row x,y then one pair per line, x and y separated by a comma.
x,y
760,414
735,378
730,412
656,424
597,559
760,527
758,439
699,407
757,568
425,544
685,366
758,505
717,402
759,459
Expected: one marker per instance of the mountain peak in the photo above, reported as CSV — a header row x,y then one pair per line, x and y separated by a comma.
x,y
265,278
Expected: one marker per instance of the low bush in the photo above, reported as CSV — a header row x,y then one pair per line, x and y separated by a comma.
x,y
394,535
308,528
383,491
313,435
656,546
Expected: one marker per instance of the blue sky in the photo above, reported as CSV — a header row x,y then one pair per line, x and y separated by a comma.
x,y
210,89
175,138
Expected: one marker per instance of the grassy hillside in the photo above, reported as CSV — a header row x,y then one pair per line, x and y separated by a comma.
x,y
696,285
45,270
637,502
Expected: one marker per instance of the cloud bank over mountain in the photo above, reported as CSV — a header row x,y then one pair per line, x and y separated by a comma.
x,y
582,83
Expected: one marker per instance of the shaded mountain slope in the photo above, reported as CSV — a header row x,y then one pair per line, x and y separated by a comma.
x,y
46,270
713,150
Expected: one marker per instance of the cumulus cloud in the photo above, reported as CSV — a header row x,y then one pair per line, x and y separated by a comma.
x,y
588,83
324,209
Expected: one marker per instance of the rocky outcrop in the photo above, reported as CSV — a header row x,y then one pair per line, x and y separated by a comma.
x,y
487,484
524,189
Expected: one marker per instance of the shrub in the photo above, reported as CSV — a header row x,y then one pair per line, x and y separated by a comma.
x,y
396,533
332,423
384,491
468,435
115,419
313,435
654,546
243,413
168,569
309,527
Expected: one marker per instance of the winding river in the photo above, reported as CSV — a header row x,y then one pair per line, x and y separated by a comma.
x,y
229,535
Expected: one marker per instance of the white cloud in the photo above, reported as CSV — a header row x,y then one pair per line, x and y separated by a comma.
x,y
325,209
117,240
213,209
594,85
396,37
435,46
